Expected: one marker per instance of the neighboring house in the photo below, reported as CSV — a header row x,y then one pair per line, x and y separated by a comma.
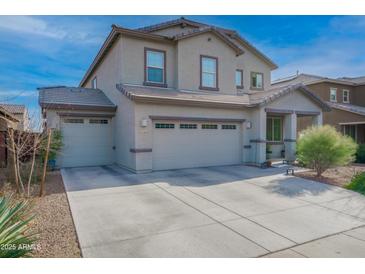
x,y
20,112
179,94
7,120
345,95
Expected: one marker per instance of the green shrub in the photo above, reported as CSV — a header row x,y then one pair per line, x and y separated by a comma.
x,y
357,183
360,154
15,240
323,147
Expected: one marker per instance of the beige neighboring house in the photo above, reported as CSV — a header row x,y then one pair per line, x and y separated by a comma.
x,y
20,112
7,120
180,94
345,95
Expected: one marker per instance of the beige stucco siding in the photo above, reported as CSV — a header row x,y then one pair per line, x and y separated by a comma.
x,y
249,62
188,58
132,60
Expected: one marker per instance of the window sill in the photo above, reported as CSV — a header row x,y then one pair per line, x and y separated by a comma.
x,y
258,89
162,85
208,88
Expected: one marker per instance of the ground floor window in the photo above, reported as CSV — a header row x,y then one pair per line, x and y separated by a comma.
x,y
349,130
274,129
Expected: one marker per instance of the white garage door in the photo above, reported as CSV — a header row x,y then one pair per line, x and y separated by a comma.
x,y
87,142
192,144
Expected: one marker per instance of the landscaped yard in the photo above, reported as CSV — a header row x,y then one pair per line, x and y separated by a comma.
x,y
53,221
339,176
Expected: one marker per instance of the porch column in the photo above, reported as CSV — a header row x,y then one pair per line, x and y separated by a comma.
x,y
290,136
261,137
317,120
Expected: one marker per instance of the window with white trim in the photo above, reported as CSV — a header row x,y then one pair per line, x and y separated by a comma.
x,y
209,72
257,80
346,96
239,78
155,66
94,83
274,129
333,94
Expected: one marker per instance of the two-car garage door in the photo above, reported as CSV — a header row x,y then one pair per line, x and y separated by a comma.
x,y
86,141
186,144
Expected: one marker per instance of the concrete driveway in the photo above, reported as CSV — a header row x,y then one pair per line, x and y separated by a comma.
x,y
232,211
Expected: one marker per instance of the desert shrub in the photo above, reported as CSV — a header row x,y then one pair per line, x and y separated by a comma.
x,y
14,237
357,183
360,154
323,147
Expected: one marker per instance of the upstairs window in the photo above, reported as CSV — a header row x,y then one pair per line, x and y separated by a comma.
x,y
257,80
333,94
346,96
155,66
94,83
239,78
208,73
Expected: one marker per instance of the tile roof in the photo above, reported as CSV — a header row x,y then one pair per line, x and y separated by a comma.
x,y
231,37
348,107
7,115
308,79
75,97
13,108
151,94
356,80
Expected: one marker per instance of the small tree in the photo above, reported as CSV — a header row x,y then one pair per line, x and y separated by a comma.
x,y
323,147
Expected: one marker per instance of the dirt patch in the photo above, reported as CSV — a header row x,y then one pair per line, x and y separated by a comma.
x,y
53,221
339,176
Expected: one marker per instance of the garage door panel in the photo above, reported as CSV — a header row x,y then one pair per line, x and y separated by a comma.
x,y
86,144
185,148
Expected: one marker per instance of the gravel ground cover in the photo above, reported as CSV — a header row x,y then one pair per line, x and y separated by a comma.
x,y
53,221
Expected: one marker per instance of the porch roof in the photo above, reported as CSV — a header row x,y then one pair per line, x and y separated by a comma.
x,y
200,98
348,107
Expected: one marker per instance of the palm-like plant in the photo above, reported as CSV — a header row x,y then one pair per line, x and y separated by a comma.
x,y
14,220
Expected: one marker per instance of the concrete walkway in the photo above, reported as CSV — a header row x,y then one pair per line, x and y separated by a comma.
x,y
232,211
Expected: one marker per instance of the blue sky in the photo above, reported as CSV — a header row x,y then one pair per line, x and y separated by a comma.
x,y
56,50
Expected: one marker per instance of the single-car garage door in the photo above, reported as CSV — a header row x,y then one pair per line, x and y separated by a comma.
x,y
195,144
86,142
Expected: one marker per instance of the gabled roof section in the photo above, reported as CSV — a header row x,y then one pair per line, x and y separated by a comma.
x,y
230,35
7,116
357,80
215,31
266,97
181,21
74,98
13,108
201,99
109,42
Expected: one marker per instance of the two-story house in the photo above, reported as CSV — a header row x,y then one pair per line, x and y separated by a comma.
x,y
179,94
20,112
345,95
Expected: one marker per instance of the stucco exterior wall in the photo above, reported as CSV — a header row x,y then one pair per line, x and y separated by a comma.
x,y
132,60
144,135
249,62
188,58
323,91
